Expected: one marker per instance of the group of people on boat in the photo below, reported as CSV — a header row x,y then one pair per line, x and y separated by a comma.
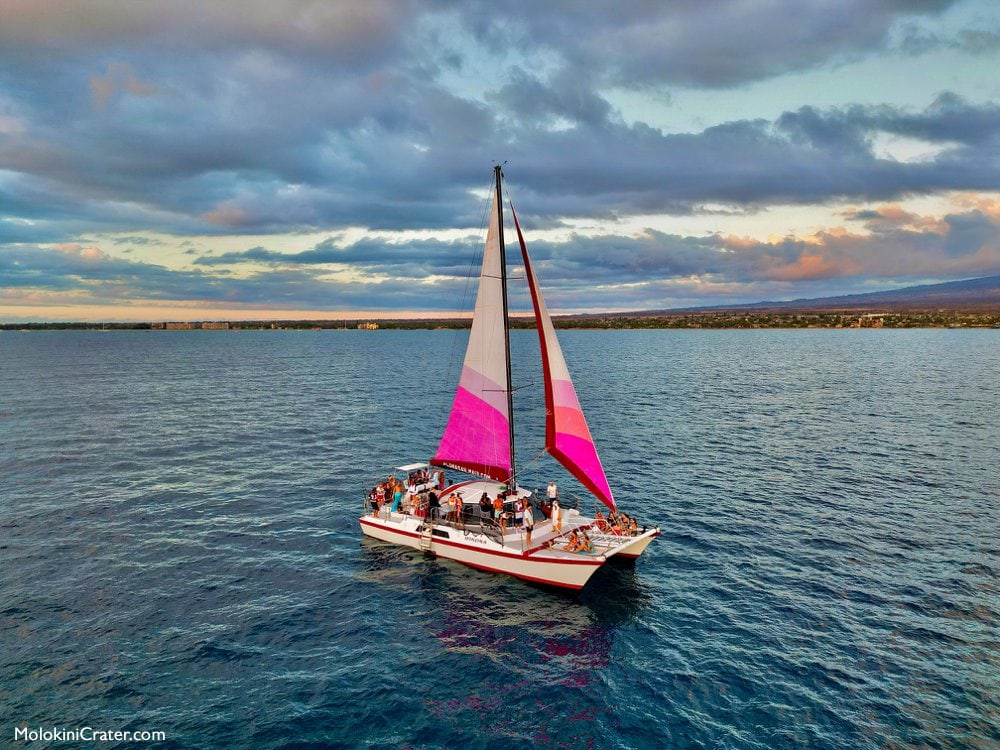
x,y
415,497
389,492
618,523
507,509
578,542
506,512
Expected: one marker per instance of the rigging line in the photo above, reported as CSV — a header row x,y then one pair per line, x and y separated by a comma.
x,y
531,463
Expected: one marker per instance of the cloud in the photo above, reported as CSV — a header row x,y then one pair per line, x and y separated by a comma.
x,y
970,233
688,43
605,272
256,117
118,80
341,30
895,245
252,118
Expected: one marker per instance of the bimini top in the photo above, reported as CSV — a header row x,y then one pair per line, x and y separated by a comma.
x,y
412,467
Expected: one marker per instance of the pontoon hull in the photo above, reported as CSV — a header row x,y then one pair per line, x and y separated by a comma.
x,y
636,548
565,573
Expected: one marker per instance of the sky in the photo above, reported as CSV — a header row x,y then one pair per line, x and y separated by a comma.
x,y
280,159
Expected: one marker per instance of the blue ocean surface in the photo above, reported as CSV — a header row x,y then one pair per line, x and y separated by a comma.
x,y
180,551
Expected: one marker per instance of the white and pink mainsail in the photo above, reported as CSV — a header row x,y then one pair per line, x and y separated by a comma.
x,y
477,437
567,437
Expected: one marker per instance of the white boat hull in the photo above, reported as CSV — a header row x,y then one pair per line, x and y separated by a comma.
x,y
550,567
635,548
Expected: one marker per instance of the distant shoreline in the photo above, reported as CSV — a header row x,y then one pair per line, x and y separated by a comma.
x,y
717,319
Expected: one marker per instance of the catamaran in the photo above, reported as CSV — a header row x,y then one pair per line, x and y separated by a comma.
x,y
482,522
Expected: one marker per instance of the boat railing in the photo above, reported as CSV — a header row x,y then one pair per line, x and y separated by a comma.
x,y
570,502
470,522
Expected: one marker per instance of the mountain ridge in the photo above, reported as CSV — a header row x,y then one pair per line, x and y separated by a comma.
x,y
973,295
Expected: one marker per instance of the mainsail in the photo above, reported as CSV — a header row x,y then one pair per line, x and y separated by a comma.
x,y
477,437
567,437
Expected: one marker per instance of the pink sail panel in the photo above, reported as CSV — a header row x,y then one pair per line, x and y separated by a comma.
x,y
477,436
478,415
567,437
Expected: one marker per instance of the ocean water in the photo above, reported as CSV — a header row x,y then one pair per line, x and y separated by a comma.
x,y
179,547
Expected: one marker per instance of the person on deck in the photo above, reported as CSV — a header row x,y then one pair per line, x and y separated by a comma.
x,y
552,492
397,496
585,544
529,524
459,511
411,497
600,522
556,517
498,515
574,542
485,506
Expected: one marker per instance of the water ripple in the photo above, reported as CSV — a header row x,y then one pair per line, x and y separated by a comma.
x,y
179,547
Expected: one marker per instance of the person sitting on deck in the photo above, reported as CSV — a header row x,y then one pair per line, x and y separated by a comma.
x,y
600,522
573,544
585,544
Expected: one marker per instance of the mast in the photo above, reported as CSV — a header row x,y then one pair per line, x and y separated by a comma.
x,y
478,437
506,325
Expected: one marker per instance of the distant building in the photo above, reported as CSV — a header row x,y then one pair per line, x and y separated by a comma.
x,y
869,320
367,326
179,326
215,326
